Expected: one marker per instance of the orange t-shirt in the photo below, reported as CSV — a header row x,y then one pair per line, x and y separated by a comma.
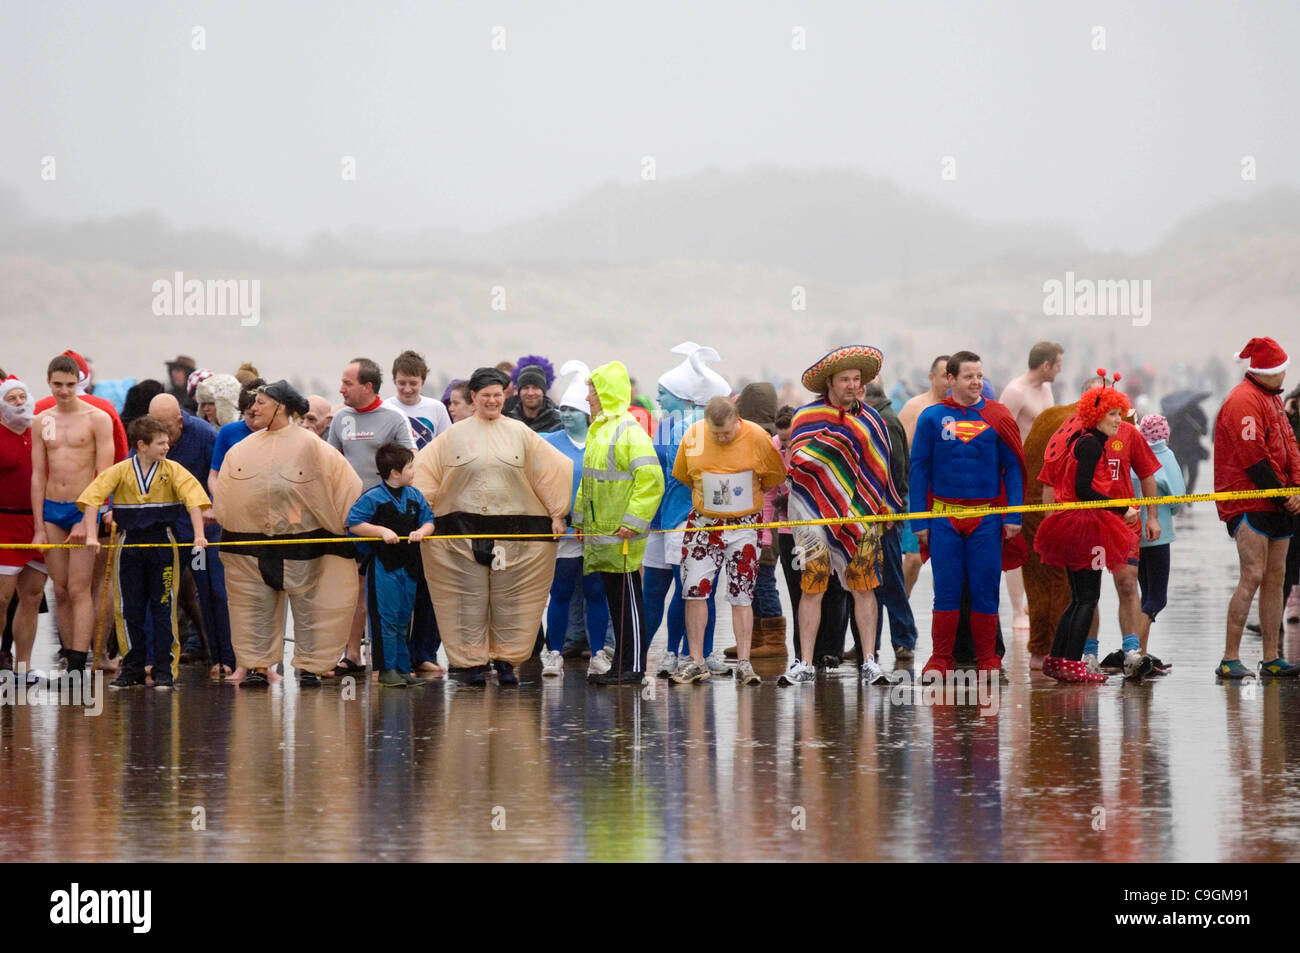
x,y
730,479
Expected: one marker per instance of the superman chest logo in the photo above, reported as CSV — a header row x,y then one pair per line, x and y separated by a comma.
x,y
964,430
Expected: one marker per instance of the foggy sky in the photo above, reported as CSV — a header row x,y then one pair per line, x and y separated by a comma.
x,y
446,132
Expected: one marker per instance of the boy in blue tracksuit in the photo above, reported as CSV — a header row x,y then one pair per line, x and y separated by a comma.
x,y
390,511
1153,558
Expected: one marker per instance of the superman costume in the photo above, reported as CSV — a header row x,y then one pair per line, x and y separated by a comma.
x,y
962,458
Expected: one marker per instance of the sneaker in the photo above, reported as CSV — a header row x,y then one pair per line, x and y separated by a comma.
x,y
1232,669
903,654
668,665
692,671
717,665
798,674
1136,664
162,679
126,679
601,662
829,663
391,678
745,674
552,663
617,679
1279,668
414,680
1114,662
505,673
1158,667
870,673
1254,628
1091,662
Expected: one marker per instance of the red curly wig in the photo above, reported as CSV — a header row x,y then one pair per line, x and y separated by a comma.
x,y
1097,402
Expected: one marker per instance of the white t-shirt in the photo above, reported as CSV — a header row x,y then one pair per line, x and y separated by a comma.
x,y
428,418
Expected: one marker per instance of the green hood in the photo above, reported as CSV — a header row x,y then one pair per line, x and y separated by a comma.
x,y
613,387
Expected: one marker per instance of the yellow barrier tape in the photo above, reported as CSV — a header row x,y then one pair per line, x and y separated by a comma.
x,y
830,521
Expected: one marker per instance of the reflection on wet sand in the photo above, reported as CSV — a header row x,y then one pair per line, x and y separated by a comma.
x,y
1173,769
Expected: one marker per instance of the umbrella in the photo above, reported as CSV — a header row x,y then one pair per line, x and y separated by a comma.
x,y
1171,404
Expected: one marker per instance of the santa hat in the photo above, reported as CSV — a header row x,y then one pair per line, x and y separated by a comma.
x,y
13,383
1264,355
83,369
575,395
692,379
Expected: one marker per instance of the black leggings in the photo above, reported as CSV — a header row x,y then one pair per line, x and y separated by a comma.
x,y
1072,630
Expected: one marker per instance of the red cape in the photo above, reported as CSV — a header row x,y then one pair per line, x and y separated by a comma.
x,y
996,415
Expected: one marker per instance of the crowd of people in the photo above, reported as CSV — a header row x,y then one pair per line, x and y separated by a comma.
x,y
497,523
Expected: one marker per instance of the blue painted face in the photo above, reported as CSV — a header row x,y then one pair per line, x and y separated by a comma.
x,y
671,403
575,422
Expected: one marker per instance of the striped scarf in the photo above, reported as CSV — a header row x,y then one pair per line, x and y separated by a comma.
x,y
839,466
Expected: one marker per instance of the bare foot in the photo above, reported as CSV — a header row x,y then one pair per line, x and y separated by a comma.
x,y
431,668
238,675
1035,663
218,671
272,676
107,664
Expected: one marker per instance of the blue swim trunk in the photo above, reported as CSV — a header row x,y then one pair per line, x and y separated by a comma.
x,y
63,515
907,539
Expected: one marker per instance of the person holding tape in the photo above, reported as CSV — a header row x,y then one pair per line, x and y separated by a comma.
x,y
966,454
1255,449
839,467
622,486
491,477
1084,541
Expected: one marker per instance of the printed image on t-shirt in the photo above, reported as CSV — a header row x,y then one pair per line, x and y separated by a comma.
x,y
728,492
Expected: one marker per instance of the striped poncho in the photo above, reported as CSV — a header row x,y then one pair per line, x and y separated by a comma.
x,y
839,466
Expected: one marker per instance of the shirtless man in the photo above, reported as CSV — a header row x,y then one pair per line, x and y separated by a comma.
x,y
907,417
71,443
1026,397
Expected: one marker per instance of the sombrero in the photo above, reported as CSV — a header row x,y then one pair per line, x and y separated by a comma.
x,y
863,357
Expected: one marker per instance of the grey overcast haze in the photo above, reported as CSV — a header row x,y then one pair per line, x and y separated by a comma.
x,y
249,133
906,162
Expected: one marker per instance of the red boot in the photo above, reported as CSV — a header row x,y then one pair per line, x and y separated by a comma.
x,y
943,633
1051,665
984,633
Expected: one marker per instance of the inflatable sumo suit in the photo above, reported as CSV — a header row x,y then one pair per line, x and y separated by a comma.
x,y
491,477
277,484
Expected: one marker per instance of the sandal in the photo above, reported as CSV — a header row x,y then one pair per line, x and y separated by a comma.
x,y
347,667
256,678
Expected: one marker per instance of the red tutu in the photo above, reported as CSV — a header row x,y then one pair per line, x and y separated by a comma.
x,y
1072,539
